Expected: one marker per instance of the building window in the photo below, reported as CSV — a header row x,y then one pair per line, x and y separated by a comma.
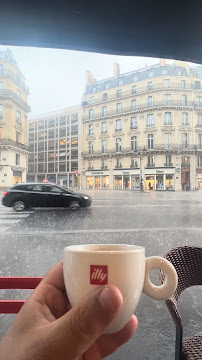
x,y
199,100
104,97
133,143
74,153
90,114
118,145
0,111
40,146
164,71
17,159
104,146
118,125
133,104
167,99
74,129
134,163
74,166
120,82
150,141
199,116
168,160
104,164
200,141
90,165
179,72
167,118
18,137
40,157
106,85
18,117
119,93
19,93
31,168
166,83
62,120
150,160
41,135
134,89
182,84
150,120
104,127
90,147
74,142
62,144
185,140
151,74
134,122
150,85
135,78
91,100
199,160
184,118
104,111
62,155
94,89
90,129
51,134
31,136
118,164
51,123
184,100
118,108
50,167
167,141
51,156
150,101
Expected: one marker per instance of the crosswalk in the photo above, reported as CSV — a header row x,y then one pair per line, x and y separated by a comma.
x,y
9,217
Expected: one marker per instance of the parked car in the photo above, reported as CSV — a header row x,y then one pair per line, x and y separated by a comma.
x,y
25,196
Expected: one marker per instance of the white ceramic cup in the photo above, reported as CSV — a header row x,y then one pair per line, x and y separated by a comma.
x,y
87,267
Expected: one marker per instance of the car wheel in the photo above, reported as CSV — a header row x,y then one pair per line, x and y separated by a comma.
x,y
74,205
19,205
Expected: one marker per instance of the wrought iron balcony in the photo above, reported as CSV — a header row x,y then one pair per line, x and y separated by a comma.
x,y
142,150
168,123
90,167
185,165
150,125
143,107
168,164
141,90
133,127
104,132
116,130
186,124
134,166
9,142
11,94
150,165
118,166
104,167
199,125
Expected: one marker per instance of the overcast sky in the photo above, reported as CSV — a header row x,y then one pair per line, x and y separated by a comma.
x,y
56,78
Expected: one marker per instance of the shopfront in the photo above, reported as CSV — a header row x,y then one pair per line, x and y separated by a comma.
x,y
97,180
160,179
126,179
199,178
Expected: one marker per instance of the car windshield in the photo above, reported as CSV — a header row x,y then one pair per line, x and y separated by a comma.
x,y
122,136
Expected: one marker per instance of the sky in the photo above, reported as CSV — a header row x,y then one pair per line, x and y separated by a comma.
x,y
56,78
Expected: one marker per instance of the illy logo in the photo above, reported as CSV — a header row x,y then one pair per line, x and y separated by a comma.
x,y
98,274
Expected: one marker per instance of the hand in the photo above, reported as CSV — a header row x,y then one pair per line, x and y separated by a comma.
x,y
46,328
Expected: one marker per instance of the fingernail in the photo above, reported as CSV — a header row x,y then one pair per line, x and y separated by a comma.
x,y
110,298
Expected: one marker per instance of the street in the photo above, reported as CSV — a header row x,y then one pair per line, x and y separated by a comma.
x,y
32,242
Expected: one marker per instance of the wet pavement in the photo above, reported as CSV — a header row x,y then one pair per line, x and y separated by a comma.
x,y
157,221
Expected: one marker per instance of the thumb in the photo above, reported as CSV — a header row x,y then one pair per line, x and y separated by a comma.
x,y
79,328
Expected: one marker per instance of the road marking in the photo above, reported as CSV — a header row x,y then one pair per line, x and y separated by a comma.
x,y
2,229
93,231
10,221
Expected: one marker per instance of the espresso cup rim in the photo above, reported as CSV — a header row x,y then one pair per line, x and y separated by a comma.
x,y
107,248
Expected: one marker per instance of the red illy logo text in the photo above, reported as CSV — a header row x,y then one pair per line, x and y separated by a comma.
x,y
98,274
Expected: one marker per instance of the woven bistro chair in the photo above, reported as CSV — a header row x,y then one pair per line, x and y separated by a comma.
x,y
187,261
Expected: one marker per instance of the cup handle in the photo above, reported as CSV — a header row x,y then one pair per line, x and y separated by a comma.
x,y
167,289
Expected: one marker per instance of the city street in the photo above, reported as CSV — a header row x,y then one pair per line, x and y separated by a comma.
x,y
32,242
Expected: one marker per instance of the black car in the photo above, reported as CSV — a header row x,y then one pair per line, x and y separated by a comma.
x,y
24,196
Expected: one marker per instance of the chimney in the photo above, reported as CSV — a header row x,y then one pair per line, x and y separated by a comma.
x,y
162,62
116,70
89,78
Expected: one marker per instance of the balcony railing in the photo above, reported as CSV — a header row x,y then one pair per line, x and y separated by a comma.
x,y
186,124
168,123
118,166
12,75
104,167
150,165
103,132
141,150
133,127
90,167
118,129
185,165
9,142
150,125
199,125
168,164
134,166
11,94
140,90
142,107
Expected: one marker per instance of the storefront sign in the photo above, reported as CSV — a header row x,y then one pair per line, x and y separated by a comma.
x,y
199,170
126,172
95,173
159,171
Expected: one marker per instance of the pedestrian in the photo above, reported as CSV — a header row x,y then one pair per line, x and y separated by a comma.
x,y
48,328
149,186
